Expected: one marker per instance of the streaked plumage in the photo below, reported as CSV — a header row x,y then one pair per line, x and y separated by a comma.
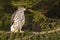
x,y
18,19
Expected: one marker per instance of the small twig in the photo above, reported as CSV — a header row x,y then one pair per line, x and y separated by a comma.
x,y
28,37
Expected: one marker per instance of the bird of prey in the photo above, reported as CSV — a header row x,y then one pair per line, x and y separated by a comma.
x,y
18,20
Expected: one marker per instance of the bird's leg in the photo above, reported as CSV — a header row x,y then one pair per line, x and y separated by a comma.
x,y
20,29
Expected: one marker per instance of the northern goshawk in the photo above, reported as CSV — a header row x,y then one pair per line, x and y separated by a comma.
x,y
18,19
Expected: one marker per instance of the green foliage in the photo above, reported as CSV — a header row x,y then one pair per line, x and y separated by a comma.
x,y
27,3
3,36
29,36
37,9
0,23
36,14
4,20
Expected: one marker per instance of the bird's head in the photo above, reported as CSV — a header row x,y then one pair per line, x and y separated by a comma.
x,y
21,8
